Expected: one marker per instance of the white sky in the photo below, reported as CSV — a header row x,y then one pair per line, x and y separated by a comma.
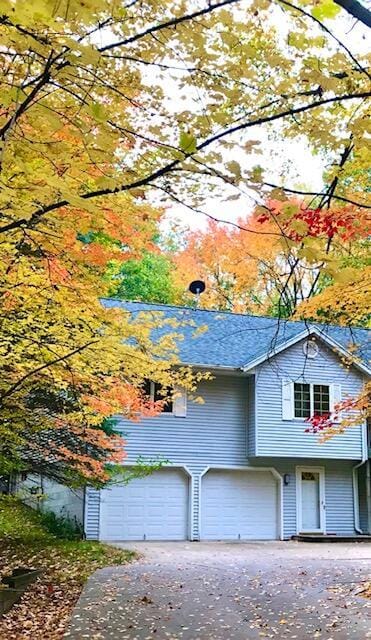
x,y
290,163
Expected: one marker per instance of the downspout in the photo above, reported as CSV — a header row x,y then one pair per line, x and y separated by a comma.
x,y
368,496
357,526
84,512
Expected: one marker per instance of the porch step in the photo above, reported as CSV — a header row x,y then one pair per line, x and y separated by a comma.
x,y
331,538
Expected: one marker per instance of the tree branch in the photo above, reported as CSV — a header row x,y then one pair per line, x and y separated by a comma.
x,y
171,23
327,30
283,114
44,79
171,165
315,194
326,198
17,384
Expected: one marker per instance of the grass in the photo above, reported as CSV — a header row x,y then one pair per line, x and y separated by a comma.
x,y
45,608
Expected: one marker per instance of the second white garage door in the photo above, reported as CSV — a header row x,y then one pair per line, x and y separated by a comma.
x,y
239,505
151,508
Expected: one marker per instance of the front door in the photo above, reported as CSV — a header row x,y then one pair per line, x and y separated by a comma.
x,y
311,503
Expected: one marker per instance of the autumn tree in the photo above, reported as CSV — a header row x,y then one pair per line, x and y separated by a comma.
x,y
85,66
147,278
88,127
66,363
284,254
237,262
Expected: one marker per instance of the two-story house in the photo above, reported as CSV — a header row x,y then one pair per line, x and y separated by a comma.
x,y
240,466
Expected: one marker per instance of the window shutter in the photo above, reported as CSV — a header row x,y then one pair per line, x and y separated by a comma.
x,y
180,403
335,397
287,400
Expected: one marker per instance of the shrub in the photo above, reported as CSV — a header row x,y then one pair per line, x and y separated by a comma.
x,y
61,526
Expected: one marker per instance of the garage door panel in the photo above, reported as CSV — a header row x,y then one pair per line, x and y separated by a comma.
x,y
151,508
133,512
239,505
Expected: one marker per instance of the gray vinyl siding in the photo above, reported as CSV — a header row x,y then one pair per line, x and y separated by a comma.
x,y
92,512
195,506
287,438
212,433
339,499
338,492
251,424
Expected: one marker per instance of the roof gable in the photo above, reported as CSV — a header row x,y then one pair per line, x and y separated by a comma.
x,y
307,333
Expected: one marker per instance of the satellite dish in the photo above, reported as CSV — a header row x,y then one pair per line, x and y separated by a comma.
x,y
197,287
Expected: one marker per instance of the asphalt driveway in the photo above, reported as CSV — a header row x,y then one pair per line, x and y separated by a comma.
x,y
237,591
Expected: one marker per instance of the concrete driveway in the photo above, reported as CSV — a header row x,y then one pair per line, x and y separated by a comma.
x,y
229,591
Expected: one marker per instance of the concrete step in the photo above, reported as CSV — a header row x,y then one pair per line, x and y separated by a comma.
x,y
331,538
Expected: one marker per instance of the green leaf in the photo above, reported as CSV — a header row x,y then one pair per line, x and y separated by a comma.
x,y
98,111
234,167
187,142
299,226
345,276
256,174
325,9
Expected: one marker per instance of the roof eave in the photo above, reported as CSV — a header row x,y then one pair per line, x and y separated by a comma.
x,y
219,367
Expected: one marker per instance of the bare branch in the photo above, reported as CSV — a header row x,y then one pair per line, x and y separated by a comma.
x,y
317,194
170,23
327,30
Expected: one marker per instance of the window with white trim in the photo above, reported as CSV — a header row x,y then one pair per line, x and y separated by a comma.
x,y
311,399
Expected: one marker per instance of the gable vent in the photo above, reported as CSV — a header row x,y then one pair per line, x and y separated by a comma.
x,y
310,349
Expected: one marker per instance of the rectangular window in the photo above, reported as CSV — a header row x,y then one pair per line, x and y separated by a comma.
x,y
157,392
321,399
311,399
302,400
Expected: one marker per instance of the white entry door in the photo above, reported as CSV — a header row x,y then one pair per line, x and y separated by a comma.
x,y
310,500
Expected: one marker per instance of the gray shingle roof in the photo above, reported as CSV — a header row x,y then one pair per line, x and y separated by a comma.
x,y
234,340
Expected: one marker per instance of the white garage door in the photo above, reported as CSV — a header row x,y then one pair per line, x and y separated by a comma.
x,y
239,505
151,508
